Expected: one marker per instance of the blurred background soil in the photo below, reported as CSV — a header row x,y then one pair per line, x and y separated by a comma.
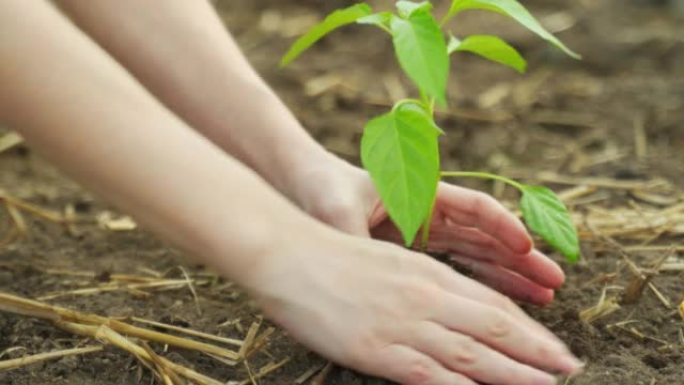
x,y
607,131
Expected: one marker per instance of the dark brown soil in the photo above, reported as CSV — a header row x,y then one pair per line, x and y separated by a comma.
x,y
560,114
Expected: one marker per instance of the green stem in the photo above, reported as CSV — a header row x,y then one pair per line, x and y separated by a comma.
x,y
481,175
427,102
426,227
384,28
405,101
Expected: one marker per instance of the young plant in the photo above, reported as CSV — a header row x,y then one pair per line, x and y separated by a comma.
x,y
400,148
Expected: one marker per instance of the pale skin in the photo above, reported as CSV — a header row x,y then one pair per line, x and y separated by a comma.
x,y
167,120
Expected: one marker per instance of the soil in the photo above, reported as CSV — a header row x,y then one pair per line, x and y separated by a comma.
x,y
570,117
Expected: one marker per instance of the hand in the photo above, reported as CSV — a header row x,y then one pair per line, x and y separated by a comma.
x,y
475,229
393,313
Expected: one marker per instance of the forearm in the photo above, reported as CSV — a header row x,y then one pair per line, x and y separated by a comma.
x,y
85,113
183,54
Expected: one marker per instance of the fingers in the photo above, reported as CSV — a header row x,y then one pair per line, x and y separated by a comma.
x,y
473,208
407,366
502,331
465,355
475,244
506,281
461,285
471,242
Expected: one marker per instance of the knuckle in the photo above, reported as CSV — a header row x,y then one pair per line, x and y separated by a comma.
x,y
365,344
503,303
499,324
421,295
419,372
464,351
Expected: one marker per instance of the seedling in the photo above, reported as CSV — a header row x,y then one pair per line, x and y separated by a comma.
x,y
400,148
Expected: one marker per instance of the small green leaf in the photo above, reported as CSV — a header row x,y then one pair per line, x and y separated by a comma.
x,y
422,52
515,10
548,217
490,47
333,21
400,151
407,8
380,19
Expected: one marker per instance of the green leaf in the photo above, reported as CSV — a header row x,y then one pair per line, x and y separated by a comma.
x,y
380,19
407,8
513,9
333,21
400,151
490,47
422,52
548,217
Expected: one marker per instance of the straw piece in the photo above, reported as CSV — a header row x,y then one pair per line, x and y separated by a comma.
x,y
29,360
11,350
249,339
304,377
17,218
159,284
265,370
191,287
666,302
18,305
167,375
190,332
323,375
642,277
259,342
576,192
107,221
110,336
251,378
50,215
607,183
603,308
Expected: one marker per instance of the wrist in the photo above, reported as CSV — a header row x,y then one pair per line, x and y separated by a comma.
x,y
258,129
278,250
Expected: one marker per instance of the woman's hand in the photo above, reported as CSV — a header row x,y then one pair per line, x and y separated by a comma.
x,y
394,313
474,228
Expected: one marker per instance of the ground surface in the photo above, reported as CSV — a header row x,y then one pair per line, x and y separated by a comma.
x,y
571,118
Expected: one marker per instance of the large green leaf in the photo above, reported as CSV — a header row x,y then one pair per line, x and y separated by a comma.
x,y
333,21
490,47
422,52
400,151
548,217
515,10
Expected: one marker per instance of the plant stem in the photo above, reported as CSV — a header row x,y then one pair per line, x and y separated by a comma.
x,y
481,175
405,101
426,226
